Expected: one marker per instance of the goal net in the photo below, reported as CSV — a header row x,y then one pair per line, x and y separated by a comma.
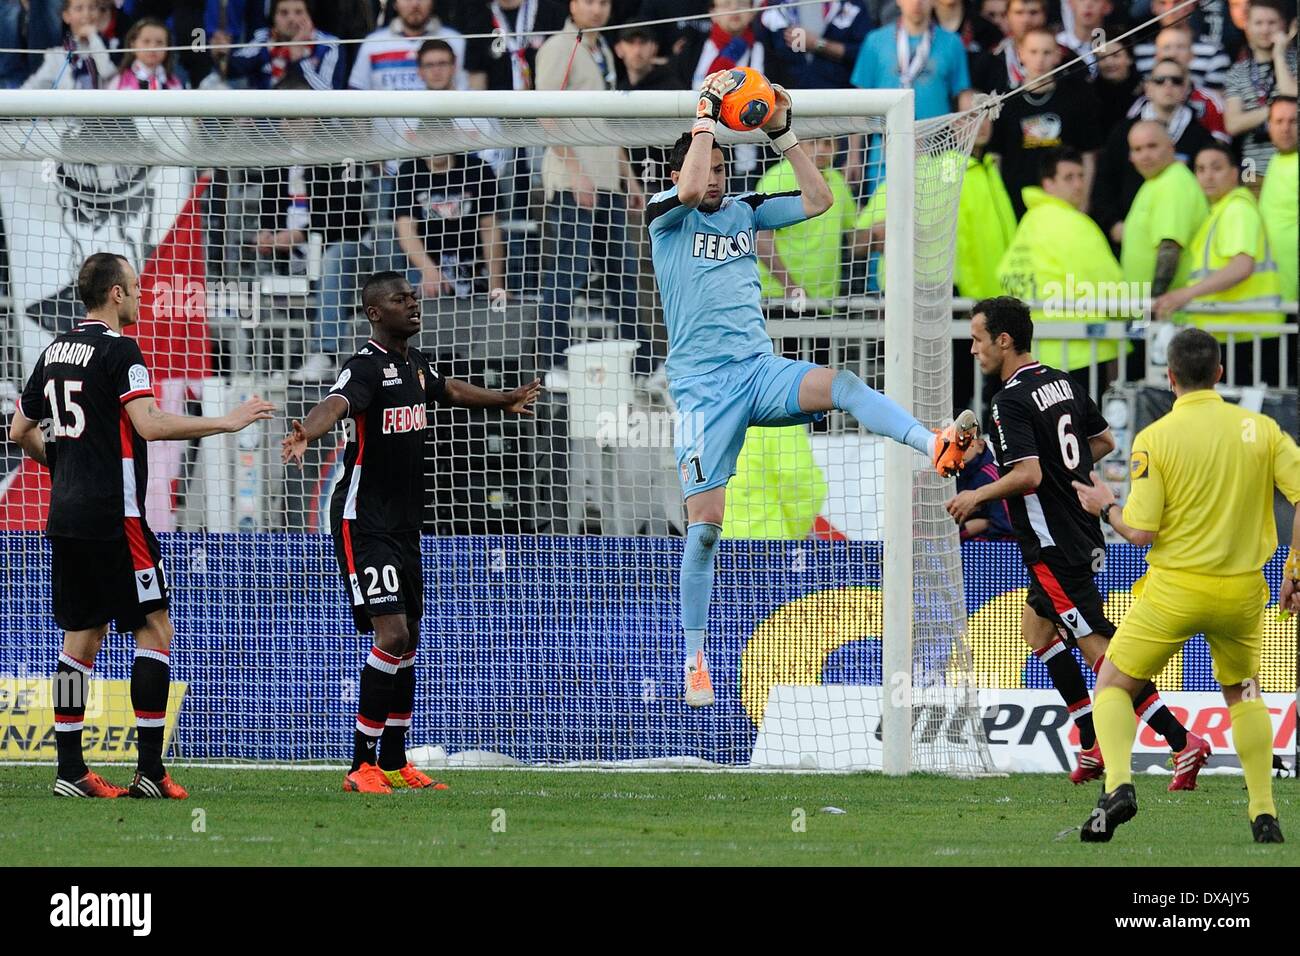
x,y
551,544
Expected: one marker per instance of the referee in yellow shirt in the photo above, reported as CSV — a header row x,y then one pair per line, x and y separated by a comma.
x,y
1202,497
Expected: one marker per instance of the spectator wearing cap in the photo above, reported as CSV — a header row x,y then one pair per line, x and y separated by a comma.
x,y
1166,212
291,44
1268,70
1118,180
816,45
1228,260
1280,194
673,35
639,66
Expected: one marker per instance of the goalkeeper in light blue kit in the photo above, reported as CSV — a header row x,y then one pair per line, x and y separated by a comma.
x,y
722,372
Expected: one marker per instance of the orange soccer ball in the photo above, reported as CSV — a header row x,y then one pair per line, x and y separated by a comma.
x,y
749,105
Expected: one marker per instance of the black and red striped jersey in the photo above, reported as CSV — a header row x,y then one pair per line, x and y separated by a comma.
x,y
99,467
382,488
1041,413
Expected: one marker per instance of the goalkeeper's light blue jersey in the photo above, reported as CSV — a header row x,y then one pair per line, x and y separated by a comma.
x,y
707,269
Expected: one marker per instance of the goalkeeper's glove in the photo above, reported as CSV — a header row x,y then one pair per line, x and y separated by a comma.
x,y
782,137
716,86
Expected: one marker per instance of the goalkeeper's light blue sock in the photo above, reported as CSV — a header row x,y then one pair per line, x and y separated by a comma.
x,y
696,582
879,414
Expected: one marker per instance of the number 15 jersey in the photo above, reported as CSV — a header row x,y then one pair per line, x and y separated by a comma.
x,y
1040,413
99,465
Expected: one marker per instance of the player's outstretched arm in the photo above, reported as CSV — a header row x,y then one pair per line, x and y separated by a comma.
x,y
518,401
153,424
27,435
323,416
816,193
1025,475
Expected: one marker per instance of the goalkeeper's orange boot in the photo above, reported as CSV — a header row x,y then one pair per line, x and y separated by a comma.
x,y
699,686
950,448
90,785
1188,763
1091,766
367,778
408,778
143,787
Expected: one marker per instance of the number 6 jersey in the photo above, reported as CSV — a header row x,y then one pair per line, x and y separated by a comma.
x,y
1040,413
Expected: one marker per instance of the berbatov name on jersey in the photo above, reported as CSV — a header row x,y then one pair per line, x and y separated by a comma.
x,y
99,466
382,487
1041,413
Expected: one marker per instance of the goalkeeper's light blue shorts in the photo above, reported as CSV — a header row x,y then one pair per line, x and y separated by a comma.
x,y
715,408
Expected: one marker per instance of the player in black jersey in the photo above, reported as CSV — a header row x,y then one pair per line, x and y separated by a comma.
x,y
376,509
86,412
1048,435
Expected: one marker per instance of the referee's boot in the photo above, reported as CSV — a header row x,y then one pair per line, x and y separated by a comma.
x,y
1265,829
1119,806
950,447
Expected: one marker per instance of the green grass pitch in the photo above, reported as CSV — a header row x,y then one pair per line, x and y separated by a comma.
x,y
292,818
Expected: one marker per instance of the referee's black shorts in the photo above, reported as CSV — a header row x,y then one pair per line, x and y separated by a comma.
x,y
1067,596
96,582
381,572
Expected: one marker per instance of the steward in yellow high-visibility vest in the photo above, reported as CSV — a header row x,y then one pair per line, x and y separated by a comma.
x,y
1228,260
1060,256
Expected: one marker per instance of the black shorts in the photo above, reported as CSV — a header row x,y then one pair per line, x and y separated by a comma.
x,y
1067,596
382,574
96,582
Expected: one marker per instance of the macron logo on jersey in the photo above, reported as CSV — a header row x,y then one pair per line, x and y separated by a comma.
x,y
405,419
710,245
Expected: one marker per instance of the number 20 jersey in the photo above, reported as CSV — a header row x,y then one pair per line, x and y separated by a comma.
x,y
1040,413
382,488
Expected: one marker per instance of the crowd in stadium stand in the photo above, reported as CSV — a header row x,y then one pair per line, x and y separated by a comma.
x,y
1168,158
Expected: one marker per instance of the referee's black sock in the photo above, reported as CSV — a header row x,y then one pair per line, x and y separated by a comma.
x,y
392,746
377,679
71,684
150,681
1149,707
1067,678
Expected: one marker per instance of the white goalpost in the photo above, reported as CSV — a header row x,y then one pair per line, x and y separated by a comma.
x,y
550,634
